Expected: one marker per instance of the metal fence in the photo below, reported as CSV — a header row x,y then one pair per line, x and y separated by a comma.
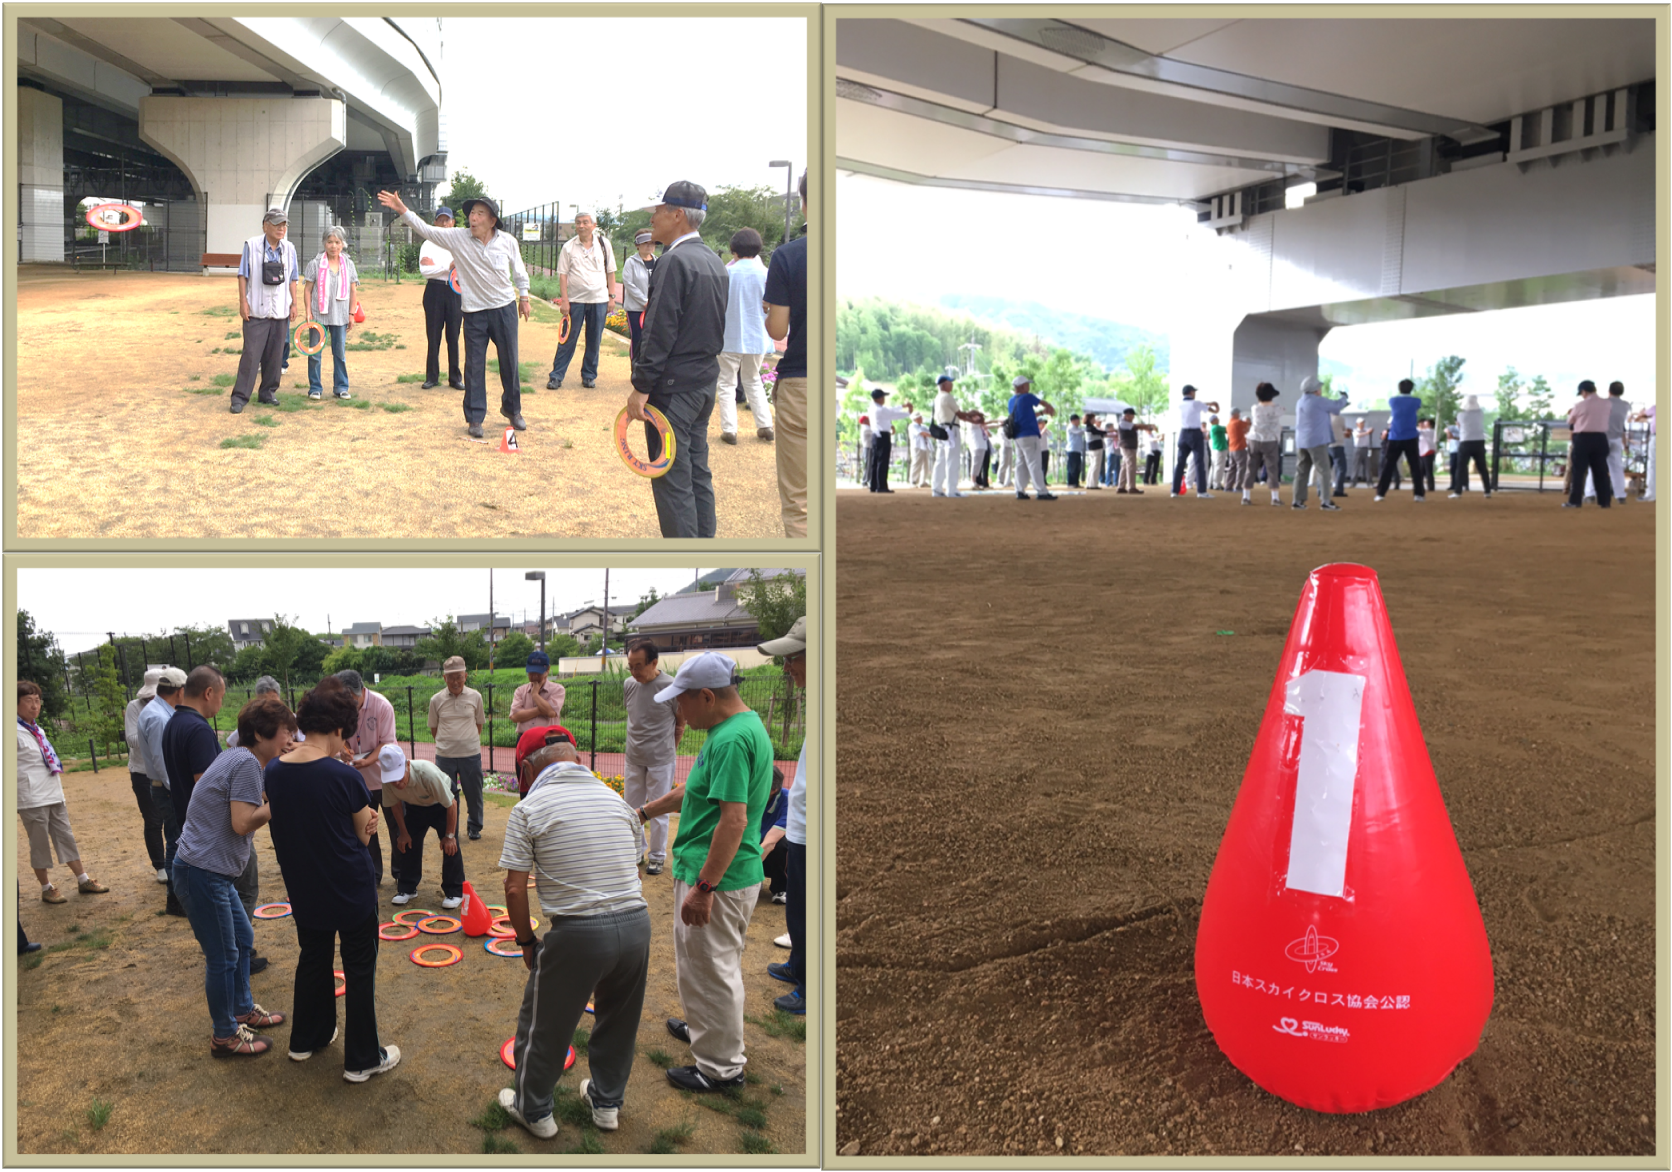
x,y
172,239
539,229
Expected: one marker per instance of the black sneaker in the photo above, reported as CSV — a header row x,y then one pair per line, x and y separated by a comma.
x,y
475,834
678,1029
174,907
781,972
1331,507
1022,496
257,964
588,383
554,383
475,431
428,383
792,1003
1302,505
690,1078
1046,496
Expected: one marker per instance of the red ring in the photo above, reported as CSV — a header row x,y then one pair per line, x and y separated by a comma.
x,y
493,930
135,217
419,912
454,955
453,279
563,331
488,946
342,988
505,1055
383,935
268,907
308,327
428,931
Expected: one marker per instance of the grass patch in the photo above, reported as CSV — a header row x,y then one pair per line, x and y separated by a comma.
x,y
370,340
494,1144
33,961
659,1057
570,1108
220,311
777,1088
356,404
781,1025
750,1115
589,1145
231,334
266,421
492,1118
99,1113
397,408
400,345
755,1144
223,380
290,404
251,440
94,941
721,1104
230,350
503,801
750,1078
581,1039
192,378
668,1139
299,386
409,378
201,390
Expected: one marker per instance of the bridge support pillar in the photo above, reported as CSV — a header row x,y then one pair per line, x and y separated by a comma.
x,y
40,149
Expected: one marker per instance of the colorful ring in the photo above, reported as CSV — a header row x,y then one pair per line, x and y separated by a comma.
x,y
492,943
99,217
453,279
506,1057
453,955
304,327
382,934
266,912
405,923
342,988
498,909
495,930
563,331
425,925
645,468
589,1008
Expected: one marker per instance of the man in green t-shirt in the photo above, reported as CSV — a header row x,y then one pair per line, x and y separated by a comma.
x,y
716,867
1218,443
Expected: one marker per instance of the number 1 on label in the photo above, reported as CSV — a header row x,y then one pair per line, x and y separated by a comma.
x,y
1328,704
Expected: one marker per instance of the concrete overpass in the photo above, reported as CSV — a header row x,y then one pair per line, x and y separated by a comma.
x,y
234,114
1443,165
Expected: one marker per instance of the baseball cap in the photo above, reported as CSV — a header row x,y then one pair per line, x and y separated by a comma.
x,y
864,419
538,661
392,762
173,677
454,663
150,688
681,194
535,739
1187,389
793,643
945,378
708,670
444,210
643,238
1310,385
275,216
1021,380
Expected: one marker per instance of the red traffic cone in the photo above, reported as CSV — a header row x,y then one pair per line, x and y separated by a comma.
x,y
509,443
1341,960
359,313
474,913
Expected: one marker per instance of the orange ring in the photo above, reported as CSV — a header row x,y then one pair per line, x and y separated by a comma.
x,y
453,955
342,988
646,468
563,331
260,912
382,935
306,327
419,912
498,909
133,217
493,930
488,946
506,1057
423,927
453,279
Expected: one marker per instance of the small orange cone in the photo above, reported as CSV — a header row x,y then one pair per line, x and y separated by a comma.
x,y
474,913
509,443
1341,959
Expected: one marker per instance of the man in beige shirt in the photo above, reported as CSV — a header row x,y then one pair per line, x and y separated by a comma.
x,y
456,719
539,702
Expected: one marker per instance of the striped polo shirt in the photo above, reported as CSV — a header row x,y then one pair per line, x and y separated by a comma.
x,y
581,842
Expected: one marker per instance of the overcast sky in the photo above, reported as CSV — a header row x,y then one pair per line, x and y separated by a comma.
x,y
81,605
596,111
1122,262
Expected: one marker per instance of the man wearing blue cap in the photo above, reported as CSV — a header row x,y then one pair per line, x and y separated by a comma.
x,y
539,702
443,308
677,367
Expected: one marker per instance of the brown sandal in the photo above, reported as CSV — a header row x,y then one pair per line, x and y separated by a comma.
x,y
242,1042
259,1019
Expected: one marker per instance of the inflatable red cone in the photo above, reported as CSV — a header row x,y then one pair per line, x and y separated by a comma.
x,y
474,913
1341,959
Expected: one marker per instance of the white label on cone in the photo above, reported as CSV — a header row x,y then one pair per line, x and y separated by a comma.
x,y
1328,704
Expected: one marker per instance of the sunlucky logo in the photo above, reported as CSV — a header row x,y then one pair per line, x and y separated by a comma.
x,y
1313,950
1315,1031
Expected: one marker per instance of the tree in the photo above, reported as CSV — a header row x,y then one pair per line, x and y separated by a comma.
x,y
1509,390
249,664
1142,385
288,650
513,650
209,644
1540,398
560,645
646,600
1438,388
465,186
446,640
774,603
40,660
345,658
108,698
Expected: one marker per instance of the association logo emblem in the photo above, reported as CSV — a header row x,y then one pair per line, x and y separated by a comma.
x,y
1313,950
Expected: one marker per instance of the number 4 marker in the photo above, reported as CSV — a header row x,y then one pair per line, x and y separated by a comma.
x,y
1328,704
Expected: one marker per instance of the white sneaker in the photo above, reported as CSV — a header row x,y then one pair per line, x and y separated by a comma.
x,y
1451,496
604,1117
1204,496
400,899
784,941
957,494
1378,499
391,1058
452,901
540,1128
162,875
304,1055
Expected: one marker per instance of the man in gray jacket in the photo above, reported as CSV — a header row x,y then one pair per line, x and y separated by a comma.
x,y
677,365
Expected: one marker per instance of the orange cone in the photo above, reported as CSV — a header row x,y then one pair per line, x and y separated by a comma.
x,y
1341,959
474,913
509,443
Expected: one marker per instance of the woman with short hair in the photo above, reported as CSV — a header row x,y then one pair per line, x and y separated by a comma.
x,y
40,801
1265,442
332,292
227,807
635,284
322,820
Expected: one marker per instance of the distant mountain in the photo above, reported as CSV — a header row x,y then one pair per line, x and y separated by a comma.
x,y
1106,341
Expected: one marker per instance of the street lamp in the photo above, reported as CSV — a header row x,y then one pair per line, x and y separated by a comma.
x,y
540,577
789,191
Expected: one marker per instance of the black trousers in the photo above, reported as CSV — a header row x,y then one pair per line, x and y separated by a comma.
x,y
1191,441
498,326
635,327
314,1012
881,450
1397,448
684,494
153,820
1426,471
1152,468
1590,454
1076,466
408,865
980,477
774,862
1475,450
443,313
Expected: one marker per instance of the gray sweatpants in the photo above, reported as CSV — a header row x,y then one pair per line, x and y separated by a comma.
x,y
1307,462
605,958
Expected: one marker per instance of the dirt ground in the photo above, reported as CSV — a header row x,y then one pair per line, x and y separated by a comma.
x,y
1046,695
106,364
128,1024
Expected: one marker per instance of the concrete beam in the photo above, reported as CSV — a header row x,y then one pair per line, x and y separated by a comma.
x,y
53,62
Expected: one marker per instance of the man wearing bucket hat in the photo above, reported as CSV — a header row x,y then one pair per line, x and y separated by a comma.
x,y
716,867
139,772
792,649
635,281
269,299
677,367
443,308
482,254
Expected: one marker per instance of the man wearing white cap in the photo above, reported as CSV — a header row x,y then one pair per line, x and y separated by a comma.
x,y
919,437
153,720
443,308
792,649
586,293
1024,411
139,773
419,798
635,286
269,299
716,867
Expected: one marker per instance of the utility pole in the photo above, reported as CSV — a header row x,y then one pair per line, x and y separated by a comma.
x,y
606,611
490,620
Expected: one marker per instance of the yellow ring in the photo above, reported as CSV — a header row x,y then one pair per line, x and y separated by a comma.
x,y
646,468
421,913
303,327
494,930
452,951
423,927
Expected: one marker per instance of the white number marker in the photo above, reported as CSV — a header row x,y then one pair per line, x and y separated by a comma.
x,y
1328,704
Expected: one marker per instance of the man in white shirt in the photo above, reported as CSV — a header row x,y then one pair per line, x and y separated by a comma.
x,y
443,308
746,341
420,798
587,292
1191,444
1619,413
949,451
883,419
1363,442
866,435
139,773
919,451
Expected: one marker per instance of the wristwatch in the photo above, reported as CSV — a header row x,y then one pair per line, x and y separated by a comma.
x,y
445,837
704,886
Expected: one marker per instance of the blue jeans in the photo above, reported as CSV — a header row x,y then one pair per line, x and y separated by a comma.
x,y
1191,442
589,314
338,336
218,920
